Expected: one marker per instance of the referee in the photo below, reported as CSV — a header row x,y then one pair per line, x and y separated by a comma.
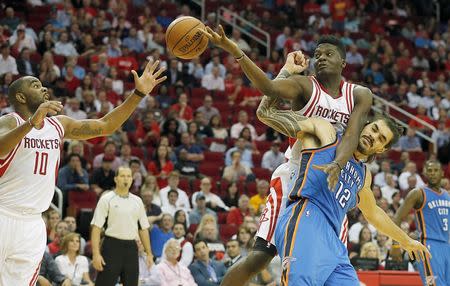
x,y
123,216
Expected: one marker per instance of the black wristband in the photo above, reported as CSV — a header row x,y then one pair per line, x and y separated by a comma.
x,y
139,93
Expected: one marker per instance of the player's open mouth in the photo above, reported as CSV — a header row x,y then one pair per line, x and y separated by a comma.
x,y
368,141
46,96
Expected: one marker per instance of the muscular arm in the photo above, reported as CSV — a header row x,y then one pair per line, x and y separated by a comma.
x,y
11,134
376,216
91,128
363,101
414,199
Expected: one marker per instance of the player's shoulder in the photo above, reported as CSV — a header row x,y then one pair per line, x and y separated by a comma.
x,y
361,90
7,122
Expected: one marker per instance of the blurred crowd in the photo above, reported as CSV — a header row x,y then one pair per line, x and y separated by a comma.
x,y
200,159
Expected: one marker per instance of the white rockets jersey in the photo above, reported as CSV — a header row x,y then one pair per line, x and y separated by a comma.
x,y
28,173
321,104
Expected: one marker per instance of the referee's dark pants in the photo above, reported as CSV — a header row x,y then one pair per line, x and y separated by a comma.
x,y
121,258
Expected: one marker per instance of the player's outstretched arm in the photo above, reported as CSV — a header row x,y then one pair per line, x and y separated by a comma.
x,y
285,88
381,221
90,128
363,101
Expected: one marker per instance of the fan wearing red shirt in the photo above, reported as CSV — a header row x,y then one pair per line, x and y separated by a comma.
x,y
160,166
72,82
338,10
236,215
311,7
421,114
125,63
147,132
182,108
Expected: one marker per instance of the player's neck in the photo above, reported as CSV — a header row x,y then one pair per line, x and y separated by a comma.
x,y
330,82
122,192
360,156
436,188
23,112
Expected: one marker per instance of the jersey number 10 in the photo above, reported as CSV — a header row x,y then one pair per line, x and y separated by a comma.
x,y
40,163
342,195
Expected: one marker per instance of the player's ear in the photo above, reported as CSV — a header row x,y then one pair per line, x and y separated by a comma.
x,y
20,97
343,63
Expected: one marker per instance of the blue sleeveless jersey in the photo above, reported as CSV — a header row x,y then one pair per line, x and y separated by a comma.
x,y
433,219
312,183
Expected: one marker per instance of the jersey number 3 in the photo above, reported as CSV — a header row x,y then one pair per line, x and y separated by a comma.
x,y
40,163
342,195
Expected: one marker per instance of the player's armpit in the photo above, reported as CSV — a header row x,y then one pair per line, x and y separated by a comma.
x,y
82,129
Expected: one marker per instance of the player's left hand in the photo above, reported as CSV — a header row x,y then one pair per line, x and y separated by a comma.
x,y
149,78
333,171
416,250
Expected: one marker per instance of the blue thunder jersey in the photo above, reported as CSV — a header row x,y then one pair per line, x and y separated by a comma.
x,y
433,217
312,183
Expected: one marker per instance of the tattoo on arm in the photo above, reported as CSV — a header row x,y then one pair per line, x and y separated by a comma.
x,y
86,130
283,121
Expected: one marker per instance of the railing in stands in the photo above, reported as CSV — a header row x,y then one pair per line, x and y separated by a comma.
x,y
59,198
201,3
382,105
237,22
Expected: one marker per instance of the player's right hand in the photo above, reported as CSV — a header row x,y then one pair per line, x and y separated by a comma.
x,y
416,250
296,62
51,107
220,40
98,262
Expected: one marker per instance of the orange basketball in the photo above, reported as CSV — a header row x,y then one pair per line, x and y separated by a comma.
x,y
184,40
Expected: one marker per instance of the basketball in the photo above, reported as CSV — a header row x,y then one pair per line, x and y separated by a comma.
x,y
184,40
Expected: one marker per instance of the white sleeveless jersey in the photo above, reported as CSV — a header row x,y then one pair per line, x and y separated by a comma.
x,y
28,173
321,104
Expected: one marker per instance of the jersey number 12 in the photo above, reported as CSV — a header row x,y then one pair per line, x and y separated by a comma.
x,y
40,163
342,195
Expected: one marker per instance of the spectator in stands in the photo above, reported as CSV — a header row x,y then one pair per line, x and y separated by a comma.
x,y
72,227
136,167
173,272
10,21
71,263
147,131
150,183
133,42
153,211
273,157
52,218
170,130
171,206
231,197
249,140
187,251
421,114
441,135
65,48
72,176
204,129
126,157
419,62
244,237
213,201
295,43
49,273
396,201
181,217
355,229
182,107
236,215
353,57
380,178
237,171
21,40
233,253
161,166
213,81
24,65
414,98
258,201
206,272
78,71
62,230
173,73
207,218
408,142
189,155
7,62
370,250
49,71
183,199
46,43
410,170
85,85
281,38
160,234
215,124
208,109
72,109
215,62
200,209
364,236
390,188
242,122
109,150
243,45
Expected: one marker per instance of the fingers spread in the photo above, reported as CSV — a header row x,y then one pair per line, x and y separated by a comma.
x,y
154,66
